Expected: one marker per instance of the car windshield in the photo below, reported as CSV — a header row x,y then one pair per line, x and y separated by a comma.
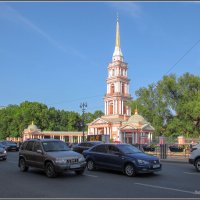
x,y
97,142
129,149
55,146
10,142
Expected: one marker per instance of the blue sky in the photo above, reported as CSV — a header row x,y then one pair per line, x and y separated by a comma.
x,y
57,53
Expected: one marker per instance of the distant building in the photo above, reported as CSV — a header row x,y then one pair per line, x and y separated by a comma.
x,y
117,121
136,130
34,132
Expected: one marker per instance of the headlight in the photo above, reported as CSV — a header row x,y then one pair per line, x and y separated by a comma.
x,y
60,160
143,162
4,151
81,159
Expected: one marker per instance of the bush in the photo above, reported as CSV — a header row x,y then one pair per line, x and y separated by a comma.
x,y
176,148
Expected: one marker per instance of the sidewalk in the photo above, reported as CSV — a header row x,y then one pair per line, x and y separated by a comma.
x,y
174,159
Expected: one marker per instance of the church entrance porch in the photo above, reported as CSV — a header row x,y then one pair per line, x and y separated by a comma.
x,y
128,139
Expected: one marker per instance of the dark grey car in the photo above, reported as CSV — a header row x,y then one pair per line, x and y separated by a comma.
x,y
52,155
3,153
79,148
9,145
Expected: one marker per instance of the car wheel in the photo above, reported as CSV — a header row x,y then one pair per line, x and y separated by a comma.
x,y
50,170
130,170
90,165
80,172
4,158
197,164
22,165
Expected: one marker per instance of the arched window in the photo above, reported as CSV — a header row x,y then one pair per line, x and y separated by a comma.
x,y
123,88
112,88
110,109
124,109
113,72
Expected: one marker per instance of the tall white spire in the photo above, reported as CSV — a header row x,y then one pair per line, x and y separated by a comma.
x,y
117,55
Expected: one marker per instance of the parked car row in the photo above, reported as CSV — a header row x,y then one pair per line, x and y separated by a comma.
x,y
9,145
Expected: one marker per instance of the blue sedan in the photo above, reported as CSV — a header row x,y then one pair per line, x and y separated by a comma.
x,y
121,157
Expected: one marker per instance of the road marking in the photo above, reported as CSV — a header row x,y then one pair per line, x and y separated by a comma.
x,y
91,175
166,188
192,173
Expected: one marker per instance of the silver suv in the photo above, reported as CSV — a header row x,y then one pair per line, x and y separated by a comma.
x,y
52,155
194,157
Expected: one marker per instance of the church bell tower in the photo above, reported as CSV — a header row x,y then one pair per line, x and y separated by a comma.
x,y
117,95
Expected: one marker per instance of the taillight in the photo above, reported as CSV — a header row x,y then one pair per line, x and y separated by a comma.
x,y
192,149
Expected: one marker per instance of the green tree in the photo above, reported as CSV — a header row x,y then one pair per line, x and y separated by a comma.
x,y
172,105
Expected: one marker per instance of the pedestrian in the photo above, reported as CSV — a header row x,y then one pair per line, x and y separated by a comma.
x,y
191,144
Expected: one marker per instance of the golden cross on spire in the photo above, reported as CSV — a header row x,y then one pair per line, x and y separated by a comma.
x,y
136,110
117,33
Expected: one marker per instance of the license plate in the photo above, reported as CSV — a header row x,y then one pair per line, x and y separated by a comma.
x,y
75,166
156,166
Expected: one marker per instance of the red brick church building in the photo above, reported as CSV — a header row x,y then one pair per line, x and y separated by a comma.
x,y
117,123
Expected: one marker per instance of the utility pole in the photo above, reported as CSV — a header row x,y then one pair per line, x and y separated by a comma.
x,y
83,106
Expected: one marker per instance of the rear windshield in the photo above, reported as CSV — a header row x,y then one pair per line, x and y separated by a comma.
x,y
55,146
129,149
1,145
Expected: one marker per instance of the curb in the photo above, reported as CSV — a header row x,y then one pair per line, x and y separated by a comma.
x,y
174,161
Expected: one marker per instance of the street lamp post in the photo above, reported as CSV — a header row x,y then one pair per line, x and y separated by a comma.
x,y
83,106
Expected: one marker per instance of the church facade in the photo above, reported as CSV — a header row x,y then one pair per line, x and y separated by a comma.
x,y
117,123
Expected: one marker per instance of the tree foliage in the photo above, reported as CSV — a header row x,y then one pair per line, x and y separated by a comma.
x,y
15,118
172,105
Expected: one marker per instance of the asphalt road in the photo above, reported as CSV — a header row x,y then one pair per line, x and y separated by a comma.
x,y
174,181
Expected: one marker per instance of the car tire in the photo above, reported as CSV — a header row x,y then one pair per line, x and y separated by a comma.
x,y
129,170
80,172
22,165
197,164
90,165
50,170
4,158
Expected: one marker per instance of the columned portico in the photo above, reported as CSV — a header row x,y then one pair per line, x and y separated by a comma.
x,y
136,130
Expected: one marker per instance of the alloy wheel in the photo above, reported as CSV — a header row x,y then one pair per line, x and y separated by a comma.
x,y
50,171
197,165
90,165
22,165
130,170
